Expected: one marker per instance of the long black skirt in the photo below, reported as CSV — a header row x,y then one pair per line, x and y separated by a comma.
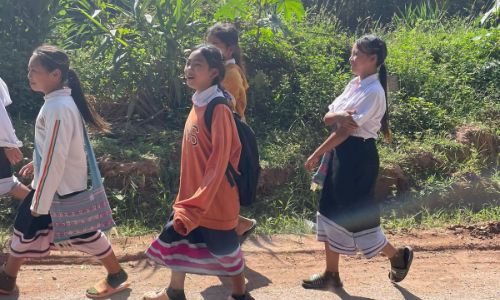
x,y
348,192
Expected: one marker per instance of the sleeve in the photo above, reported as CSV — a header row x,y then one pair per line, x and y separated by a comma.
x,y
233,83
59,130
188,211
8,137
368,104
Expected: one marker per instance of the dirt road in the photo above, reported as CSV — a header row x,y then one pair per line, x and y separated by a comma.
x,y
456,263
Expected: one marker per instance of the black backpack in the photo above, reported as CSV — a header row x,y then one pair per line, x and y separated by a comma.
x,y
248,166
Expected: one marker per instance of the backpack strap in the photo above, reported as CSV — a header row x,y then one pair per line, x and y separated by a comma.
x,y
208,122
210,110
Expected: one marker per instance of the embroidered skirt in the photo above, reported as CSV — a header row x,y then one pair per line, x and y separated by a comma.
x,y
34,236
202,251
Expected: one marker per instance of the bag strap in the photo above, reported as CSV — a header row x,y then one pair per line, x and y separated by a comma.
x,y
95,174
208,122
209,112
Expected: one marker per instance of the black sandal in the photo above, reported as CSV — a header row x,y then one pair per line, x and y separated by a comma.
x,y
323,281
7,283
245,296
398,274
247,233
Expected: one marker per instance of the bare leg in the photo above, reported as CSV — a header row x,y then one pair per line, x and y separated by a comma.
x,y
13,265
239,286
332,259
177,280
389,250
20,192
111,264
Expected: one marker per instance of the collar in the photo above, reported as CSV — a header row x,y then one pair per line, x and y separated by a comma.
x,y
365,82
230,61
203,98
58,93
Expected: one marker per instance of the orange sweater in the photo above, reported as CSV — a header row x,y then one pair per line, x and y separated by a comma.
x,y
236,83
205,196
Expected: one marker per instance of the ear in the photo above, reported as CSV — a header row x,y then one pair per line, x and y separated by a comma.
x,y
56,74
214,73
230,51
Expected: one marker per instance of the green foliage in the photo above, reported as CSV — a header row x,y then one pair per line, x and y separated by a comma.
x,y
24,25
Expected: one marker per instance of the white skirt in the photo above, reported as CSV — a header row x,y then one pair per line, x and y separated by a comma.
x,y
7,184
369,242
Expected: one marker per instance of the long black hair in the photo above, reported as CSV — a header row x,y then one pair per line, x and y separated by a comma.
x,y
373,45
51,58
229,35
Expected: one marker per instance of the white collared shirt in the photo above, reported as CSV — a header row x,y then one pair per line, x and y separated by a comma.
x,y
8,138
367,98
230,61
203,98
59,141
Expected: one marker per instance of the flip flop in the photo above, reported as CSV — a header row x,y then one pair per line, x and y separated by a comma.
x,y
398,274
102,289
248,233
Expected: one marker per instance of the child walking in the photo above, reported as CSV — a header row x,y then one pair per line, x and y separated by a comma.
x,y
59,169
348,219
199,237
9,150
224,36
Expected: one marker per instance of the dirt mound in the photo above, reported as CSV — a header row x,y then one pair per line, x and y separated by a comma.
x,y
273,177
390,179
118,174
485,142
480,231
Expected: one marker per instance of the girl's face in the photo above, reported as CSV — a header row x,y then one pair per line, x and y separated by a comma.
x,y
226,50
40,79
199,75
362,64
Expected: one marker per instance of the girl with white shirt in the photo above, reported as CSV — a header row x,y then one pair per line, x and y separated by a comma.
x,y
9,150
62,171
348,219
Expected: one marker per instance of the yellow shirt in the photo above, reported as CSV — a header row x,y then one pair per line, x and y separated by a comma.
x,y
236,84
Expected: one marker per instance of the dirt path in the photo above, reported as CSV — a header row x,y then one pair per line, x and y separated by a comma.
x,y
458,263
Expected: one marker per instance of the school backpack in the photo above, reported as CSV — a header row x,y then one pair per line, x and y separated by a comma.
x,y
248,167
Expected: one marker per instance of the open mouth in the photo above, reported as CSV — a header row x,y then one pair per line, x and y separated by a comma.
x,y
189,77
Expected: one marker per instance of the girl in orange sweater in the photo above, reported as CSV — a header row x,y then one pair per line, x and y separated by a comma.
x,y
200,235
225,37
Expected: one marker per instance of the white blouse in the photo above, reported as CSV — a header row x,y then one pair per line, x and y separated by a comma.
x,y
367,98
59,141
8,138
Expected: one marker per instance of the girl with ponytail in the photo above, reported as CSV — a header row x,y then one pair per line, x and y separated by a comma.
x,y
60,171
348,218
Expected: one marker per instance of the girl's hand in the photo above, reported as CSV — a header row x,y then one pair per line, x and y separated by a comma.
x,y
34,214
27,170
14,155
179,227
345,119
311,162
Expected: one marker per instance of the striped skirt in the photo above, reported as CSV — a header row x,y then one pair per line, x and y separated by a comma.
x,y
34,237
203,251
